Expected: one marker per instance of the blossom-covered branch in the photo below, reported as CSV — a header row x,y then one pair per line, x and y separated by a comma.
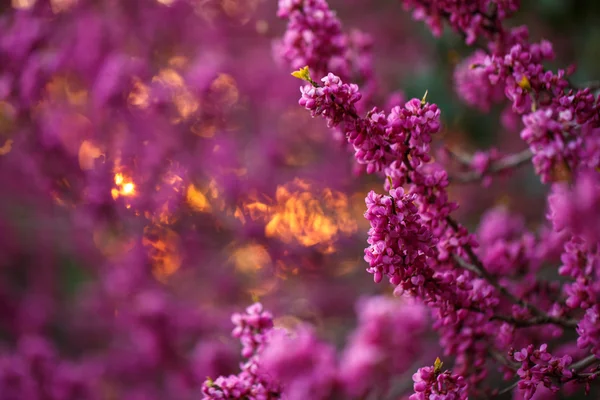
x,y
413,239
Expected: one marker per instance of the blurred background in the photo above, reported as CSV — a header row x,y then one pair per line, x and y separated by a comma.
x,y
157,174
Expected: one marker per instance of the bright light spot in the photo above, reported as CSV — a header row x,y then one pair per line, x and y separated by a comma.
x,y
128,189
61,5
164,250
139,95
125,186
262,26
183,99
186,103
240,10
304,215
178,61
308,219
23,4
225,91
65,88
250,258
197,200
169,77
204,128
88,153
6,147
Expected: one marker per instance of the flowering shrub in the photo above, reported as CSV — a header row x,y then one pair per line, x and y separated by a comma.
x,y
157,174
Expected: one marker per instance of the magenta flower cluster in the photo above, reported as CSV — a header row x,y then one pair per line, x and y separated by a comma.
x,y
295,364
378,139
430,383
252,329
538,366
399,243
485,288
156,173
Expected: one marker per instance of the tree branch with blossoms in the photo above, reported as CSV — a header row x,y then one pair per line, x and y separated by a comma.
x,y
414,241
483,288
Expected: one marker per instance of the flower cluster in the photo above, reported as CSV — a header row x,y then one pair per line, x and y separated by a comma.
x,y
506,247
589,330
314,38
376,351
252,329
403,136
471,18
484,288
557,119
399,242
145,148
296,364
34,370
335,100
473,85
575,209
540,367
304,366
123,154
432,383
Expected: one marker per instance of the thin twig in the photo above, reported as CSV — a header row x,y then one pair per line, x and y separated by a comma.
x,y
504,361
505,164
578,366
477,266
509,388
538,320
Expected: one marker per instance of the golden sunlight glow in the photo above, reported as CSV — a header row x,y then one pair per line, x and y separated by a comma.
x,y
23,4
197,200
139,95
61,5
64,88
304,215
112,243
164,250
204,127
307,219
263,287
6,147
241,10
250,258
184,100
178,61
186,103
224,90
288,322
125,186
169,77
88,153
128,189
262,26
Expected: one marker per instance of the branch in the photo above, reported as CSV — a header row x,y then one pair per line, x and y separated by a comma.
x,y
507,163
592,85
509,388
478,268
584,363
577,367
504,361
538,320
